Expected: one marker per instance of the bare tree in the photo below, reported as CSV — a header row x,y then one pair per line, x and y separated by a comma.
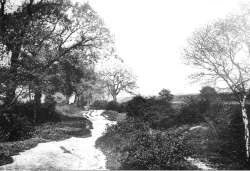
x,y
221,53
117,80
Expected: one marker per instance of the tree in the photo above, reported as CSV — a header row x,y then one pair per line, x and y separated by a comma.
x,y
118,79
77,44
20,27
41,34
165,94
208,93
221,53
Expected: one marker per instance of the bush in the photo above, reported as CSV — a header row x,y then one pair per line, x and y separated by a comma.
x,y
47,112
105,105
135,106
136,148
14,127
231,139
44,113
115,106
159,152
82,101
151,110
191,112
99,104
146,107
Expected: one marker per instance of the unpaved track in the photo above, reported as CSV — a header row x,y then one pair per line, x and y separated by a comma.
x,y
70,154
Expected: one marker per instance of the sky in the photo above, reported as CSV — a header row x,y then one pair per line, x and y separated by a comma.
x,y
150,36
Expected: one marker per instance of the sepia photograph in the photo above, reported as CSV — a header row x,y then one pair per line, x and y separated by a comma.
x,y
124,85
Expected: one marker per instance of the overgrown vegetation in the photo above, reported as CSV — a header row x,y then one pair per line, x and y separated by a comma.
x,y
107,105
129,145
17,122
22,134
153,127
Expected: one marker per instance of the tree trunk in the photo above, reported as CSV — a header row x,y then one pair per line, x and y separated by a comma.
x,y
212,126
37,103
114,97
245,122
69,88
76,99
67,99
12,83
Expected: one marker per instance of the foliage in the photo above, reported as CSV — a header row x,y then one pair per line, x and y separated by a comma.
x,y
149,109
166,95
46,112
135,106
50,49
99,104
140,150
220,52
14,127
115,106
192,110
231,143
156,152
105,105
208,93
118,79
201,108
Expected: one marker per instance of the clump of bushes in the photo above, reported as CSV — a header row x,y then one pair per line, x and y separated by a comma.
x,y
156,152
99,104
191,112
17,122
152,110
230,143
44,112
137,148
105,105
135,106
14,127
140,107
115,106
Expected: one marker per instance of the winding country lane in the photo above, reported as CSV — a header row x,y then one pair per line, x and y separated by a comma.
x,y
70,154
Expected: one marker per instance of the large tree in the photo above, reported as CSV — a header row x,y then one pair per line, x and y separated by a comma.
x,y
52,30
117,79
220,51
17,31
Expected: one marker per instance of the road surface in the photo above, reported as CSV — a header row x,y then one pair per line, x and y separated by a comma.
x,y
70,154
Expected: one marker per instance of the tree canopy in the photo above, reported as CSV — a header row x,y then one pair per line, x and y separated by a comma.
x,y
221,53
49,40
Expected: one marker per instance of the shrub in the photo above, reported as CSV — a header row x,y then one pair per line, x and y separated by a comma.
x,y
231,142
159,152
166,95
151,110
191,112
99,104
136,148
117,136
14,127
45,112
141,107
135,106
115,106
82,101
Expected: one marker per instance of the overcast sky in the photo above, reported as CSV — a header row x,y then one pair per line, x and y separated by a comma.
x,y
150,35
